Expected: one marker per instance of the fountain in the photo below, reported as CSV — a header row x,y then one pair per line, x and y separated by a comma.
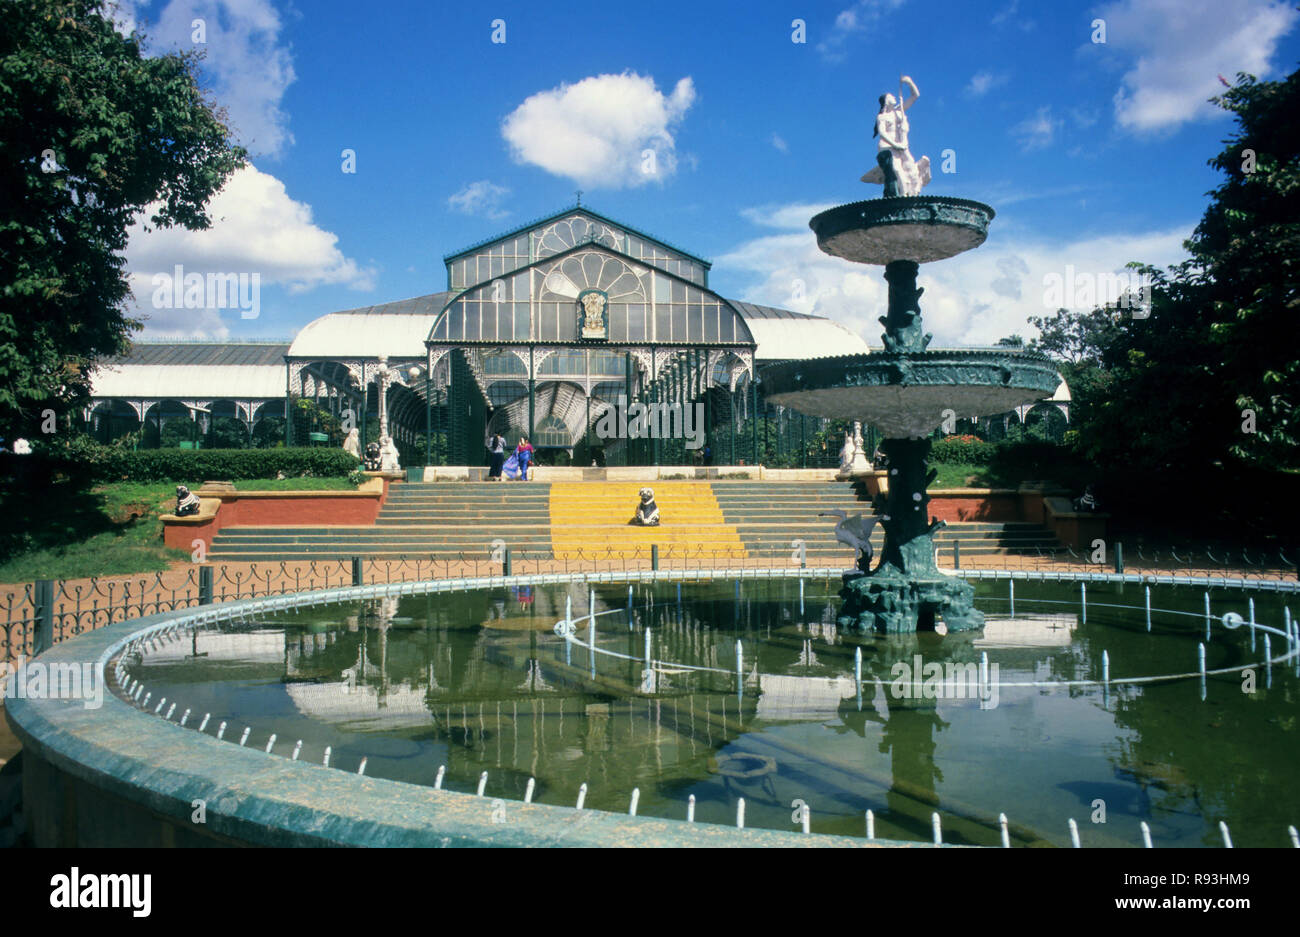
x,y
906,390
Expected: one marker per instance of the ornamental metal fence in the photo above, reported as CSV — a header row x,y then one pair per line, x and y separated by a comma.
x,y
35,615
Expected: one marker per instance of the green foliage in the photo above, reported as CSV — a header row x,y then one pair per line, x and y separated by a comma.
x,y
1222,336
1005,463
227,433
269,432
93,132
85,461
311,418
297,483
962,450
177,431
56,529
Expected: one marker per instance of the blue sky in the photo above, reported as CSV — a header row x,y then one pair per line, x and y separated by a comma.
x,y
1093,153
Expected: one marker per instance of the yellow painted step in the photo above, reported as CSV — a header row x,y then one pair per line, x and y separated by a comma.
x,y
592,518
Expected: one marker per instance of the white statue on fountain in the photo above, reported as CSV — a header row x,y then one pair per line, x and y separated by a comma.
x,y
853,457
895,168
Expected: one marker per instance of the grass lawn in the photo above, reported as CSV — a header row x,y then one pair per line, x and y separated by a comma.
x,y
110,530
958,475
295,484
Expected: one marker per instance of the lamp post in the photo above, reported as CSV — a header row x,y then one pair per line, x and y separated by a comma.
x,y
383,377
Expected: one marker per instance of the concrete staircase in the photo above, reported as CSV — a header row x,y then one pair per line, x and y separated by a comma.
x,y
577,520
591,518
772,516
443,520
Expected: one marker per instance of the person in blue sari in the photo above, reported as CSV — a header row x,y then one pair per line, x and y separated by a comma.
x,y
523,455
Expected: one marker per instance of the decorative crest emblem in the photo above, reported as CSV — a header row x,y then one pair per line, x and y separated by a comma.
x,y
593,317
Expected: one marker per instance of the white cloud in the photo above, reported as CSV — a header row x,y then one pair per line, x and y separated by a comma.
x,y
1084,117
1008,15
245,67
982,83
121,13
480,198
792,217
612,131
1182,46
851,21
1037,131
256,228
778,141
975,298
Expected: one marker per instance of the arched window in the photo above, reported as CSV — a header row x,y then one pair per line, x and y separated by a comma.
x,y
553,434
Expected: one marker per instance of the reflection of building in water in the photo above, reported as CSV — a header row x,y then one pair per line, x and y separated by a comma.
x,y
1044,630
249,647
511,698
802,699
361,707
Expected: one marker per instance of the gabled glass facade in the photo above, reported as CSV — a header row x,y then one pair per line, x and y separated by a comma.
x,y
559,234
539,304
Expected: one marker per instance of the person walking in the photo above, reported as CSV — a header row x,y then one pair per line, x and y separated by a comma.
x,y
524,455
496,447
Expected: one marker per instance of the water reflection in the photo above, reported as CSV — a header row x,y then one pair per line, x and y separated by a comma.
x,y
479,681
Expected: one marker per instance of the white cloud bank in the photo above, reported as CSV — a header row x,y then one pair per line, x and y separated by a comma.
x,y
1182,46
257,228
611,131
975,298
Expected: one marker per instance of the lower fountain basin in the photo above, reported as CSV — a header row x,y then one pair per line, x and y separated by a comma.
x,y
905,395
920,228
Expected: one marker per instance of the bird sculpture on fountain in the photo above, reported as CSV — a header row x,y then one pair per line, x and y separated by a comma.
x,y
855,531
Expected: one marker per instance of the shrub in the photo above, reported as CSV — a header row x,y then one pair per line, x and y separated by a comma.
x,y
964,450
84,460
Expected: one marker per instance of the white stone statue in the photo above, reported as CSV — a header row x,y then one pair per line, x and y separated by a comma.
x,y
853,457
895,168
352,443
388,456
846,456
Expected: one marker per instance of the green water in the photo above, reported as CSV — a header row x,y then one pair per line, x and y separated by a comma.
x,y
480,682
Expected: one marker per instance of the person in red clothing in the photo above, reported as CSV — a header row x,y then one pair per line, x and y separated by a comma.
x,y
524,453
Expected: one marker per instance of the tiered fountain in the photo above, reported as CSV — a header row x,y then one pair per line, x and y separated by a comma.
x,y
905,390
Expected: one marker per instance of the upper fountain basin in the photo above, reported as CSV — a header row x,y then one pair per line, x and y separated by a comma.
x,y
919,228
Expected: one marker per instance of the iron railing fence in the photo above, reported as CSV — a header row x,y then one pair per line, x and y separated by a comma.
x,y
35,615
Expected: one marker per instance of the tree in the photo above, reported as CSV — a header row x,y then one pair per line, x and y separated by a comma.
x,y
1077,341
1222,336
1248,248
1075,338
92,133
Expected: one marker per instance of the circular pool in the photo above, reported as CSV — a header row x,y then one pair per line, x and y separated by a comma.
x,y
684,699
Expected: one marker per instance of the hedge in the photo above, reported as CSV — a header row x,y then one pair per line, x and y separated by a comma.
x,y
104,463
957,450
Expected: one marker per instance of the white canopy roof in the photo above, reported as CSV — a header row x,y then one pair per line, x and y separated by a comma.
x,y
783,335
189,381
397,330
